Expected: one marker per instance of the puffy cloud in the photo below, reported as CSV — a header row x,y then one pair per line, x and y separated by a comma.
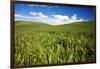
x,y
18,15
74,17
52,19
33,13
38,14
21,16
61,17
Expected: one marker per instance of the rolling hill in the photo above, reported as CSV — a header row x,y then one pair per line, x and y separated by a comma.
x,y
36,26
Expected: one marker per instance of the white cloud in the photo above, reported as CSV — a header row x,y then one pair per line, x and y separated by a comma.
x,y
22,16
61,17
74,17
33,13
18,15
80,20
52,19
38,14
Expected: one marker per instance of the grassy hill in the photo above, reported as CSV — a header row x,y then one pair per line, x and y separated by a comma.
x,y
74,27
40,43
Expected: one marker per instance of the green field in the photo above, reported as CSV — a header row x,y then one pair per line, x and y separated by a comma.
x,y
40,43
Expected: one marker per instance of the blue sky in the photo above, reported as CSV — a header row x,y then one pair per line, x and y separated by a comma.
x,y
54,15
